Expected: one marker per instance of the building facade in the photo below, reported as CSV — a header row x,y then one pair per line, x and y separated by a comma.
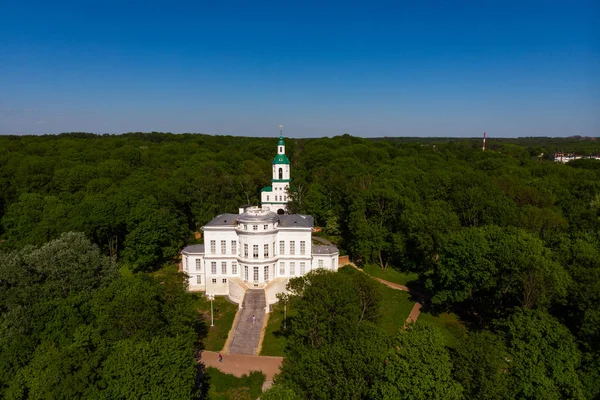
x,y
260,247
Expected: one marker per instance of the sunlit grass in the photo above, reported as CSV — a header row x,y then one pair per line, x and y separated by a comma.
x,y
391,275
227,386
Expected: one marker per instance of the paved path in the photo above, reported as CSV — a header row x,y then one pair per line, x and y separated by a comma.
x,y
240,364
247,331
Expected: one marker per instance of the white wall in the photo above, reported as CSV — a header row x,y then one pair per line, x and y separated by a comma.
x,y
330,262
237,289
273,288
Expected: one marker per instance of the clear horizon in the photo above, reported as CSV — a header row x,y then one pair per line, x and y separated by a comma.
x,y
512,69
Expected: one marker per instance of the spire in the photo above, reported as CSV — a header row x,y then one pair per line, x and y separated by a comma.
x,y
281,142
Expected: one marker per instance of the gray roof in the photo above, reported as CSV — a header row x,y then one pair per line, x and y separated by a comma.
x,y
223,220
316,249
194,249
296,220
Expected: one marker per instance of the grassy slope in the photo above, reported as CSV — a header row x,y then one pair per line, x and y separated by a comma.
x,y
274,341
224,313
390,274
396,307
226,386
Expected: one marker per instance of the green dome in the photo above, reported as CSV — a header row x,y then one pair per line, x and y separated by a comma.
x,y
281,159
281,142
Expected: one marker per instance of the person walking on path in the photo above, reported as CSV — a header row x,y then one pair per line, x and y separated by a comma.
x,y
220,358
253,318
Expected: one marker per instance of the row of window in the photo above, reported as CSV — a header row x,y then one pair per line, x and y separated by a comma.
x,y
292,248
278,198
213,264
214,280
255,270
213,247
255,227
213,267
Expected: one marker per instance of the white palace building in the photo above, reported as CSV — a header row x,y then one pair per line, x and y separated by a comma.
x,y
259,248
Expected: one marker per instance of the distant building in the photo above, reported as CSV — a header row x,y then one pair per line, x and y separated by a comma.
x,y
261,247
566,157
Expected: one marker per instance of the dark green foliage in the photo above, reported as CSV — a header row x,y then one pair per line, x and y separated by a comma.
x,y
490,270
334,350
71,327
543,357
417,366
481,364
488,233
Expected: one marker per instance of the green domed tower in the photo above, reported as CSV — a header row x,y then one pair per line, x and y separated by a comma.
x,y
276,196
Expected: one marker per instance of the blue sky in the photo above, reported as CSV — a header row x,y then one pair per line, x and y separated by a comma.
x,y
510,68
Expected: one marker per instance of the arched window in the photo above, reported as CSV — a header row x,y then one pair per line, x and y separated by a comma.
x,y
280,149
280,173
267,197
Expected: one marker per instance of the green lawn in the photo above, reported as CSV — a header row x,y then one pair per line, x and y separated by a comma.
x,y
449,325
227,386
274,341
390,274
224,313
395,308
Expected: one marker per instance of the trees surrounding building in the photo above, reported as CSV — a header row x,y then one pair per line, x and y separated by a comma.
x,y
508,239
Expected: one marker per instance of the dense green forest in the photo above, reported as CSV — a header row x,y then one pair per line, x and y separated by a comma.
x,y
506,238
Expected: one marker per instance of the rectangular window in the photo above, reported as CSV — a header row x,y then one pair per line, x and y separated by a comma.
x,y
254,227
245,227
214,281
266,251
234,268
266,271
223,247
281,268
234,247
281,247
302,268
292,268
320,263
302,247
267,197
265,227
255,251
245,250
224,267
198,279
198,264
256,273
213,247
213,267
292,247
245,272
225,280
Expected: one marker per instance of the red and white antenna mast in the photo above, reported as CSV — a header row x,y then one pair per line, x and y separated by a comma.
x,y
483,148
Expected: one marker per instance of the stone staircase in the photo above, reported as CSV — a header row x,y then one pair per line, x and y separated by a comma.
x,y
246,335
